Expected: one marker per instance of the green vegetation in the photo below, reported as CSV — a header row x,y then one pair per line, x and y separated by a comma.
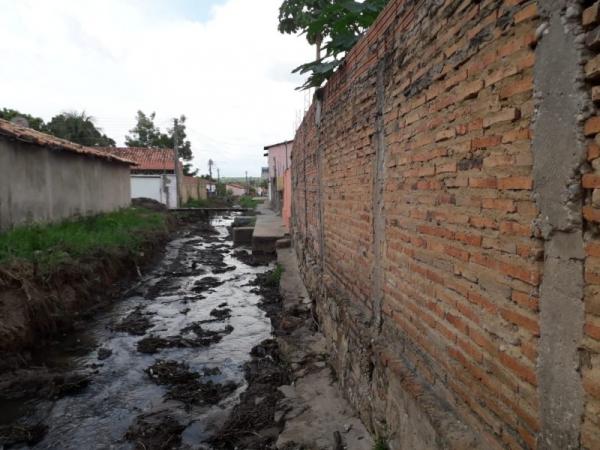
x,y
146,134
274,276
51,244
211,202
73,126
380,444
334,26
248,202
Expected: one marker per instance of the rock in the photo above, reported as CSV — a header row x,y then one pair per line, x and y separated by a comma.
x,y
104,353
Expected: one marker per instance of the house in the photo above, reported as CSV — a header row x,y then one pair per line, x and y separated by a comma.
x,y
237,190
47,179
280,178
279,159
154,175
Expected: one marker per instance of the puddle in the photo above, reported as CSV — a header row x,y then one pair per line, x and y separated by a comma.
x,y
199,301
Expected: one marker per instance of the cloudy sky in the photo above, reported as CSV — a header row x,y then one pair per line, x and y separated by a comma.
x,y
222,63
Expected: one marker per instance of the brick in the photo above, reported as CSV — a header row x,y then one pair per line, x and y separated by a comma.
x,y
519,368
445,135
499,204
590,181
515,183
445,168
516,87
592,39
469,90
592,126
484,183
592,68
591,214
521,320
529,12
591,15
505,115
485,142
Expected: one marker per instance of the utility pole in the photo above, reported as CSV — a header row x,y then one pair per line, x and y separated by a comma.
x,y
176,161
210,165
247,185
218,175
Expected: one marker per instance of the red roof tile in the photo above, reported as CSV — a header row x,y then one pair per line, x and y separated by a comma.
x,y
146,158
30,136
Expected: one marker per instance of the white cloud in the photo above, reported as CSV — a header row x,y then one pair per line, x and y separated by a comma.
x,y
229,75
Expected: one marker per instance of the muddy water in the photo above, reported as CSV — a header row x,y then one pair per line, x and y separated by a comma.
x,y
175,295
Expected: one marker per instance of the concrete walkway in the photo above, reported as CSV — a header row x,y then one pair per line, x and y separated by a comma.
x,y
314,410
267,231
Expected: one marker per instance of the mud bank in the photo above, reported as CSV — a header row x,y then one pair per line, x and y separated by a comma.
x,y
37,308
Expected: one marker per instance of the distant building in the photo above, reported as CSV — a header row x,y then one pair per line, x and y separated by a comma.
x,y
264,174
154,175
237,190
193,188
279,157
47,179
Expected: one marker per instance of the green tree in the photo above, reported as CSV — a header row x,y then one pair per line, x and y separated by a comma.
x,y
35,123
334,26
79,128
147,134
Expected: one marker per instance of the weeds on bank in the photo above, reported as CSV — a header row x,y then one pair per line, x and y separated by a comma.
x,y
380,444
248,202
50,244
211,202
274,277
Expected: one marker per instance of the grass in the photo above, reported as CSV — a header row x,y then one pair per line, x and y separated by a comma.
x,y
248,202
274,277
211,202
53,243
380,444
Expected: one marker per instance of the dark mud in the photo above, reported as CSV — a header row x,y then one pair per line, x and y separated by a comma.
x,y
201,338
136,323
21,434
155,431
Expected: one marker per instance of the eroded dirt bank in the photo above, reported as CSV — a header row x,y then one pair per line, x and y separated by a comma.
x,y
160,368
38,305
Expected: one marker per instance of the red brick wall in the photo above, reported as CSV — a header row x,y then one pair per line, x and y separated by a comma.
x,y
442,350
591,211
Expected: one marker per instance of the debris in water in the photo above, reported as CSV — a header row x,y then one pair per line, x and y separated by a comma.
x,y
155,431
170,372
203,338
207,283
104,353
221,314
136,323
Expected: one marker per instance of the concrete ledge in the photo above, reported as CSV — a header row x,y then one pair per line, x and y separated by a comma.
x,y
268,230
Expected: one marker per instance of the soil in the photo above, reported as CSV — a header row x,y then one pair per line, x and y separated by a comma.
x,y
36,308
21,434
27,384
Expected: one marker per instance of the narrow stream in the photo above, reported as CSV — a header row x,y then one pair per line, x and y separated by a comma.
x,y
198,285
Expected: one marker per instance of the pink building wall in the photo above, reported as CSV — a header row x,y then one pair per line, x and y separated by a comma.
x,y
286,210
